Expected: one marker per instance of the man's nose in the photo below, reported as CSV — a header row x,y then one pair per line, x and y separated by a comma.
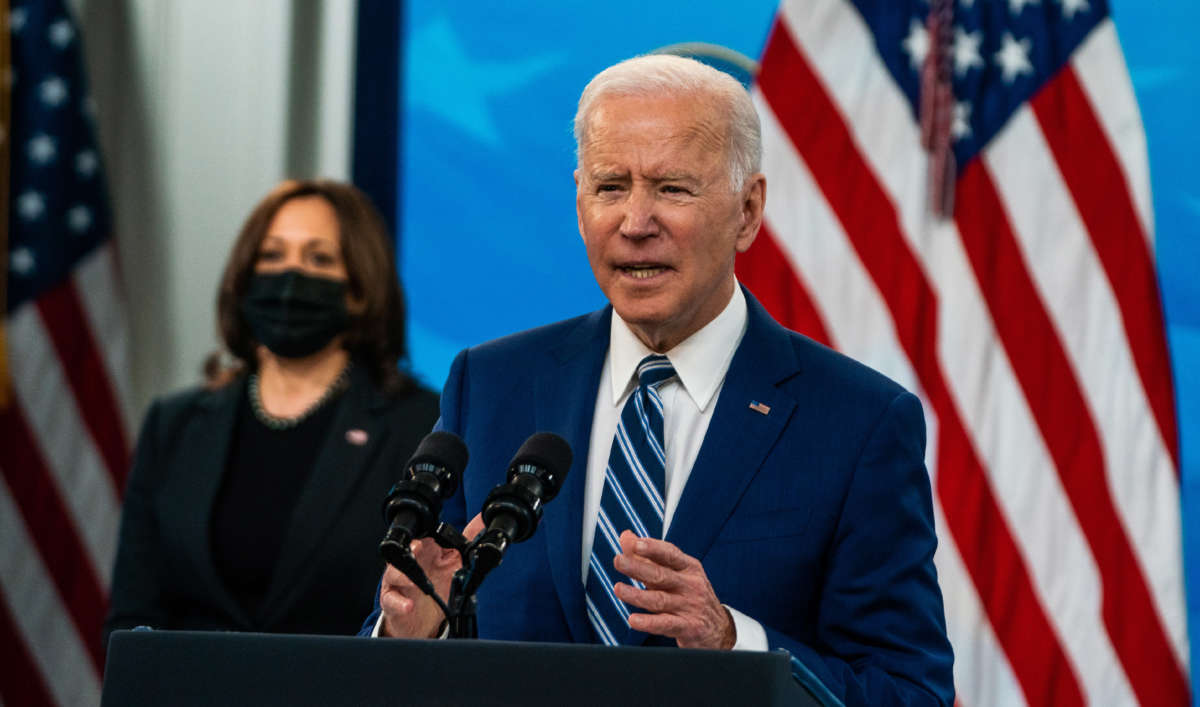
x,y
640,218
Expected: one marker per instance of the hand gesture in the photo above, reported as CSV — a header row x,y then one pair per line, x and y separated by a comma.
x,y
679,601
407,611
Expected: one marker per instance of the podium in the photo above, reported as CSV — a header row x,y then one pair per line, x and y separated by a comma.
x,y
214,668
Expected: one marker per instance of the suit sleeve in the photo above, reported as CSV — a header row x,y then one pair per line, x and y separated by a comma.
x,y
137,592
453,419
882,631
450,420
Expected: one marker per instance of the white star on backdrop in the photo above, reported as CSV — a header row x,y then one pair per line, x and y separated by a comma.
x,y
53,91
1070,7
916,43
966,50
86,163
16,19
31,205
61,33
42,149
79,218
1013,57
1015,6
21,261
462,87
960,126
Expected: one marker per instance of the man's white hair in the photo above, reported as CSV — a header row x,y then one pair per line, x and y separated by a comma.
x,y
656,75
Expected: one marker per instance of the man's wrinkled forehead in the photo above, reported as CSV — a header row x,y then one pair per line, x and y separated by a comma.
x,y
699,125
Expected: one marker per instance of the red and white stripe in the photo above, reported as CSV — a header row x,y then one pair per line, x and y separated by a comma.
x,y
65,463
1030,327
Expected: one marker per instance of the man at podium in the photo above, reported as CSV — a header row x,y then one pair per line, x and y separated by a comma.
x,y
735,485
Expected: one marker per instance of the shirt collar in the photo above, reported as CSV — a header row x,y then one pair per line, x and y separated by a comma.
x,y
700,360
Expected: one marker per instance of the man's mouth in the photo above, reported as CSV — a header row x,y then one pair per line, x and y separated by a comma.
x,y
642,272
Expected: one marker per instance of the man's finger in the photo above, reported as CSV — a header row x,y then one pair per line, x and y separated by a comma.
x,y
667,625
391,595
647,572
651,600
394,602
474,527
659,551
393,578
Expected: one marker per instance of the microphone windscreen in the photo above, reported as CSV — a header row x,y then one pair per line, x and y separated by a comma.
x,y
443,449
547,451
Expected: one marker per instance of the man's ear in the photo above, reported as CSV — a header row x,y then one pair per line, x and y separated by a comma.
x,y
753,200
578,205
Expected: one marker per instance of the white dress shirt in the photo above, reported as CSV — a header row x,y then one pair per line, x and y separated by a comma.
x,y
700,362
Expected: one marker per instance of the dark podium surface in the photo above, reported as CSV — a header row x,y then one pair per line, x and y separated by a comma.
x,y
213,668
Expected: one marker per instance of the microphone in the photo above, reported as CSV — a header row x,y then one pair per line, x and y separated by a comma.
x,y
512,511
413,506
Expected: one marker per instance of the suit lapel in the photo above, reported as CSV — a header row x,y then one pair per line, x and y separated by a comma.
x,y
739,437
339,466
738,440
565,399
204,469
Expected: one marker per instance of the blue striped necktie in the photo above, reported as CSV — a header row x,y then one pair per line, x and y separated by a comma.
x,y
632,499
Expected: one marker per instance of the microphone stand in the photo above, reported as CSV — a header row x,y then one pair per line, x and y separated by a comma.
x,y
463,607
512,512
479,557
460,610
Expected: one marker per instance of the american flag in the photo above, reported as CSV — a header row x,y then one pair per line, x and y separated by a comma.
x,y
1026,315
63,443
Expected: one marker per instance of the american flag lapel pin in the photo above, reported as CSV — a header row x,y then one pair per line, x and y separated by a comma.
x,y
759,407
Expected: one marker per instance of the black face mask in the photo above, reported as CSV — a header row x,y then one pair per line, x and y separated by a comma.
x,y
293,314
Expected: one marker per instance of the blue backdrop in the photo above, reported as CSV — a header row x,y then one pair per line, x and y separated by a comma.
x,y
485,206
488,93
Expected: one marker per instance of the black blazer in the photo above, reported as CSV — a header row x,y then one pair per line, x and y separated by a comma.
x,y
325,577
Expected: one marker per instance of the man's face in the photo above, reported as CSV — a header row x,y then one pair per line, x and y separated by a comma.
x,y
658,215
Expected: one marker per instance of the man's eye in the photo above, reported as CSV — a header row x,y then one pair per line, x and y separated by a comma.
x,y
608,187
674,189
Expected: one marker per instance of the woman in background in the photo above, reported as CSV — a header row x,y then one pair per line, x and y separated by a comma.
x,y
254,502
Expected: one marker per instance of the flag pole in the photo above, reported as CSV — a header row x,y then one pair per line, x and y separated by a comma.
x,y
6,78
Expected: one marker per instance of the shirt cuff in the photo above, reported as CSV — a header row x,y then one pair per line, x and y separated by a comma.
x,y
749,634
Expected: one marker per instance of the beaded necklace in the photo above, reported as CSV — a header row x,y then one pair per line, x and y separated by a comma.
x,y
286,423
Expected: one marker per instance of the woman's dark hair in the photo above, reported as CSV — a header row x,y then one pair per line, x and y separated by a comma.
x,y
376,335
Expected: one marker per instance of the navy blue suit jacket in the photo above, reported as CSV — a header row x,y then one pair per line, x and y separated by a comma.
x,y
815,519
